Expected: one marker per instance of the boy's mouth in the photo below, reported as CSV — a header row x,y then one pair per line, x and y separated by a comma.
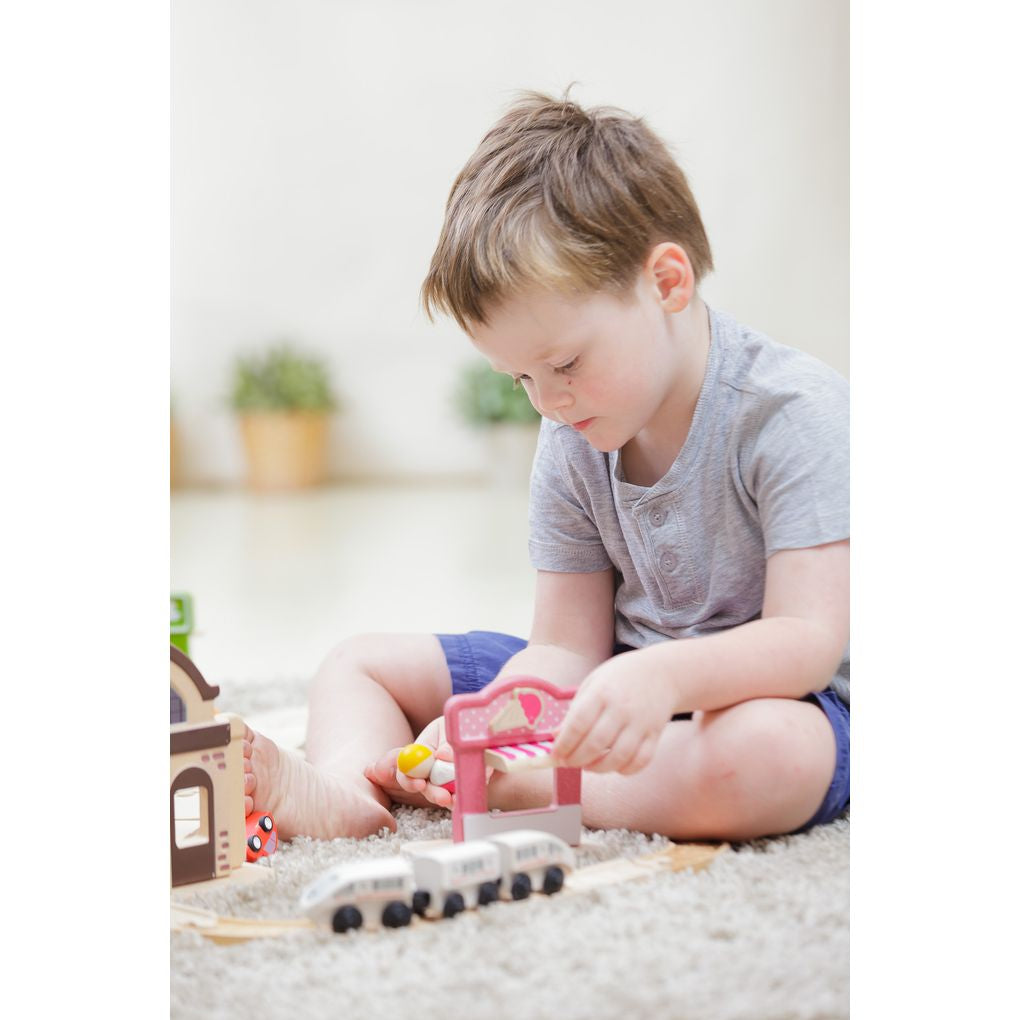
x,y
582,425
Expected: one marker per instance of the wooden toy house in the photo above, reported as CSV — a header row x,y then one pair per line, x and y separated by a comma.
x,y
207,826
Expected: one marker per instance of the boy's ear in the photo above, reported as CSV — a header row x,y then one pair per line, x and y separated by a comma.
x,y
673,275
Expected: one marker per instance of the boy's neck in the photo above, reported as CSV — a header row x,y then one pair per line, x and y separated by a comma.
x,y
691,337
650,454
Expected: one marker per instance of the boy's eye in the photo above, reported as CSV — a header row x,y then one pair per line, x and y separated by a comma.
x,y
570,366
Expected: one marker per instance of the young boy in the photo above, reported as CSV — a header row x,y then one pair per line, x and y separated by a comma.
x,y
689,519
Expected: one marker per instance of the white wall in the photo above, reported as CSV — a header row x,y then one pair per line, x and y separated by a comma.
x,y
315,144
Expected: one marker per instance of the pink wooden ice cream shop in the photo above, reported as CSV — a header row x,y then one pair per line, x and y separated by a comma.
x,y
509,726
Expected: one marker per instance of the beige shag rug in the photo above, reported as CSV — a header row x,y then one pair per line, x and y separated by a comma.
x,y
761,934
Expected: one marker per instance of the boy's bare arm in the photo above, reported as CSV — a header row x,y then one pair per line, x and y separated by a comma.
x,y
795,647
618,715
573,628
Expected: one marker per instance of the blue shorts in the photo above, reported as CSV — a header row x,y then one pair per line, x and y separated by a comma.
x,y
476,657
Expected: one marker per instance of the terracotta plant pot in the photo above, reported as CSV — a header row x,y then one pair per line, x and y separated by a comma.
x,y
286,449
174,456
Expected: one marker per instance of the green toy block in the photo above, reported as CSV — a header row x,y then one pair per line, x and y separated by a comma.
x,y
182,619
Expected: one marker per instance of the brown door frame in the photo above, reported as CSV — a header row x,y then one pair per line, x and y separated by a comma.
x,y
193,863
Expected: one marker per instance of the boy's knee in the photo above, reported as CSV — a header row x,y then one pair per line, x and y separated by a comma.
x,y
348,654
361,654
749,754
411,668
733,745
357,650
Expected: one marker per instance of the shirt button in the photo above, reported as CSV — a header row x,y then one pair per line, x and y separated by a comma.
x,y
657,517
668,562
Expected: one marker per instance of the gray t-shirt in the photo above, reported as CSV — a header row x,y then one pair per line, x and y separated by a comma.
x,y
766,466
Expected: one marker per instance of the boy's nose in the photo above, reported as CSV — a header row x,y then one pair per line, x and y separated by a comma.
x,y
552,397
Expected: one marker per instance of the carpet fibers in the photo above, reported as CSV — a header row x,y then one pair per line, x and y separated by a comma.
x,y
761,934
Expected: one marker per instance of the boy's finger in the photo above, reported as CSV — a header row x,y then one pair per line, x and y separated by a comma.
x,y
594,752
623,748
384,777
592,745
580,718
433,735
439,796
409,784
642,757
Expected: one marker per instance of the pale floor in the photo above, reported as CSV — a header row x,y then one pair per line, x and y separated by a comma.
x,y
279,579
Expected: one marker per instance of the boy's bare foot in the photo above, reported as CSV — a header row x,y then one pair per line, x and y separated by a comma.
x,y
304,801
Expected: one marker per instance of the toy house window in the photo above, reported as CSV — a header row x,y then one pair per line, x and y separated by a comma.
x,y
191,817
178,710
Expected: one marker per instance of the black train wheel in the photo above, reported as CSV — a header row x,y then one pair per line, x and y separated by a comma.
x,y
487,893
520,888
346,918
553,882
396,915
454,905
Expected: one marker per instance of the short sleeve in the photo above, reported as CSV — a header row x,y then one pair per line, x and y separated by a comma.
x,y
800,468
563,535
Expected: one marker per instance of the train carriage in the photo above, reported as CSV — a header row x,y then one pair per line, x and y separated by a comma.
x,y
439,881
450,879
532,859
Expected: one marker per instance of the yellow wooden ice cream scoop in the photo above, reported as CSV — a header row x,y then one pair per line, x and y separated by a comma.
x,y
420,762
415,761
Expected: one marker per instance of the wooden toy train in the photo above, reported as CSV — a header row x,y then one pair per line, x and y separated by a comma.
x,y
438,882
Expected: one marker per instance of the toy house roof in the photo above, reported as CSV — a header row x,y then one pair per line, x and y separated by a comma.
x,y
207,690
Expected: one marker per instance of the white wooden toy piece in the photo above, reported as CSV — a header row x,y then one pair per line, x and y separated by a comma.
x,y
418,761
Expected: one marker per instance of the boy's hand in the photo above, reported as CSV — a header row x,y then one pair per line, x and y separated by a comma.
x,y
616,719
385,774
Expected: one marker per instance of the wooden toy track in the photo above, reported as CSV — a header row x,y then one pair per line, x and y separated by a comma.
x,y
228,930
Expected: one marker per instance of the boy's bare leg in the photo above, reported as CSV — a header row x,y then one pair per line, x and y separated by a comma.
x,y
373,693
759,768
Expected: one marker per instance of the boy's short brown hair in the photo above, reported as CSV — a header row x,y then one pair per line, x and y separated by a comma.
x,y
560,197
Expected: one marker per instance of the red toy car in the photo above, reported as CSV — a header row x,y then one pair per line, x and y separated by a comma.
x,y
261,835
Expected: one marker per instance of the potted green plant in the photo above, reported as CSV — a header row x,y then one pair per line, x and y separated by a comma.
x,y
491,401
284,400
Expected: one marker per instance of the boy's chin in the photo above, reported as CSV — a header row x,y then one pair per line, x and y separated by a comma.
x,y
602,443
